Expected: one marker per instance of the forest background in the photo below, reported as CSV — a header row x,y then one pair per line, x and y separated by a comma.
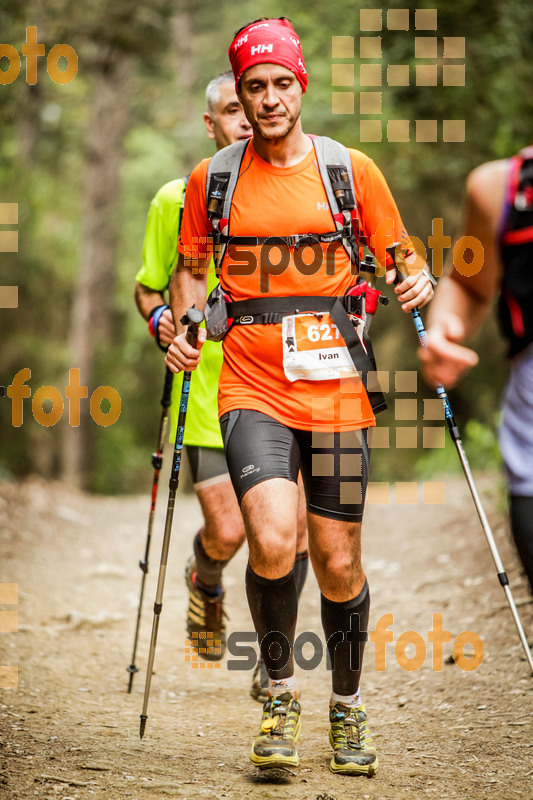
x,y
82,161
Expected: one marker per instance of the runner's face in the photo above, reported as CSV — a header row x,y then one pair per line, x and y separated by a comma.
x,y
272,99
227,123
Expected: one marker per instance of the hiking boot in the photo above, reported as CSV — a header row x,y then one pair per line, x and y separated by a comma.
x,y
259,689
275,746
350,738
205,618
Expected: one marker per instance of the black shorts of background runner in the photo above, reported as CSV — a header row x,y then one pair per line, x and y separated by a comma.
x,y
334,466
208,465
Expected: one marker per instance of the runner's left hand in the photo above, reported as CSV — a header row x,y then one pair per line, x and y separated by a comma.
x,y
415,290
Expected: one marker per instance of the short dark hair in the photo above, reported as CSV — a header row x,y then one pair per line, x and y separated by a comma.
x,y
261,19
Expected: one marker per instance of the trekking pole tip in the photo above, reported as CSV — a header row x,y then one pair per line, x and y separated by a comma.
x,y
142,728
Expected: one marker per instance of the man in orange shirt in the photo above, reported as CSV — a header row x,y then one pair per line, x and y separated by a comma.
x,y
280,413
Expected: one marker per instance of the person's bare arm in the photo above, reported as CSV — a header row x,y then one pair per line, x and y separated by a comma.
x,y
147,299
187,289
462,301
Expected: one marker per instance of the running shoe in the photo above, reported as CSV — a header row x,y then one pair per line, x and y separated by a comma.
x,y
353,753
259,688
275,746
205,618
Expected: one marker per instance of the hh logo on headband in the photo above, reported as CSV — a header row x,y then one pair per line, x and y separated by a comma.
x,y
262,48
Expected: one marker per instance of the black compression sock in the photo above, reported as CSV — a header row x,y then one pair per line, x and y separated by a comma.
x,y
274,608
301,565
522,530
343,625
208,570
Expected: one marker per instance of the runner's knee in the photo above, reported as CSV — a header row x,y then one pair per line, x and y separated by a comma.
x,y
227,535
272,547
339,563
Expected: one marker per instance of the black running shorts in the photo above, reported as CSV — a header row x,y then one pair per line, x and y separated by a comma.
x,y
208,465
334,466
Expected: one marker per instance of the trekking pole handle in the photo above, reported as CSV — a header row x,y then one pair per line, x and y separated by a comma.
x,y
391,250
193,318
401,276
420,329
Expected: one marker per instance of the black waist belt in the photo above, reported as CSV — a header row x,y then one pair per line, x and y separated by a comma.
x,y
271,310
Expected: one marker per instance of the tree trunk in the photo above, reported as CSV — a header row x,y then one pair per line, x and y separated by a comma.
x,y
92,307
182,37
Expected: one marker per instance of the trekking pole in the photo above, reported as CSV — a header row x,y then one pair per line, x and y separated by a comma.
x,y
456,437
157,463
194,317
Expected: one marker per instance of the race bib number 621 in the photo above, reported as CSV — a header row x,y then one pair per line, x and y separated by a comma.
x,y
313,349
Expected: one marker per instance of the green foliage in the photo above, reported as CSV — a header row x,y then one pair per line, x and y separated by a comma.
x,y
481,446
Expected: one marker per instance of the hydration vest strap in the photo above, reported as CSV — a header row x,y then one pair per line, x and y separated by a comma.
x,y
338,183
297,240
221,183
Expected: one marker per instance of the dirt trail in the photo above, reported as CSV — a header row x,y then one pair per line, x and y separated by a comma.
x,y
70,730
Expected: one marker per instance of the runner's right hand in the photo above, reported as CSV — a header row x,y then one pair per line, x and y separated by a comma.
x,y
181,356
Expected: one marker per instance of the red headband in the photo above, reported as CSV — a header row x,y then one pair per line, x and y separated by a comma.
x,y
271,42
